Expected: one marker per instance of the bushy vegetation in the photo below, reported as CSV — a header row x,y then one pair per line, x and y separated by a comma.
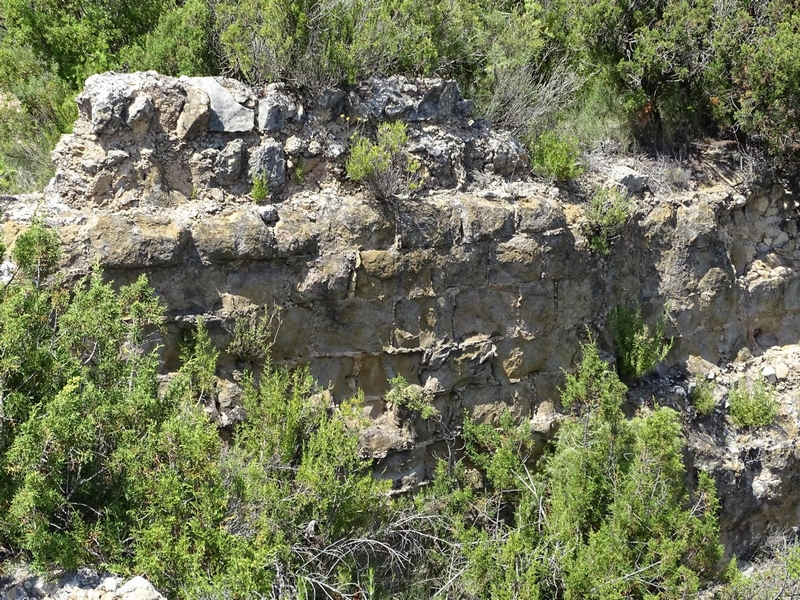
x,y
639,349
752,404
410,398
775,572
703,397
557,156
100,468
581,528
384,167
608,212
260,190
648,74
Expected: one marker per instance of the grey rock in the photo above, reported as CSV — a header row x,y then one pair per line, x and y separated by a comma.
x,y
633,181
769,374
195,114
269,161
226,113
330,100
114,158
439,103
394,98
295,145
138,588
139,114
269,214
314,148
229,162
275,110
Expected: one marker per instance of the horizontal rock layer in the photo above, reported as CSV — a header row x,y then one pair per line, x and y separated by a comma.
x,y
480,290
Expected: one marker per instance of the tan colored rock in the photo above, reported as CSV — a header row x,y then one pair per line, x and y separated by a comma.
x,y
236,235
781,371
195,114
140,241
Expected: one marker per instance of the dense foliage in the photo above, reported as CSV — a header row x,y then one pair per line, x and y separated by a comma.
x,y
636,73
101,468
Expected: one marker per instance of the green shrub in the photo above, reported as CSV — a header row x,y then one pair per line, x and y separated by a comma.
x,y
638,348
180,44
383,167
594,387
578,526
770,89
254,334
80,37
100,469
752,404
36,106
37,252
773,573
703,397
557,156
411,398
608,212
260,190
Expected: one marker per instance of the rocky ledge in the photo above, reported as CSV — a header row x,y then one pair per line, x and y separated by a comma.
x,y
479,288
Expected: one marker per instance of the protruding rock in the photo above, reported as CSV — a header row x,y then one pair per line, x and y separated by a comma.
x,y
195,114
138,588
781,371
269,214
633,181
269,161
397,98
226,113
238,235
229,162
274,110
769,374
139,114
295,145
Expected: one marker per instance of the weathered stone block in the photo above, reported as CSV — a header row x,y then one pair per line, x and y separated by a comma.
x,y
226,113
237,235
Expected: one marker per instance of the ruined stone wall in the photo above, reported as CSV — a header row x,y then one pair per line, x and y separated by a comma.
x,y
480,288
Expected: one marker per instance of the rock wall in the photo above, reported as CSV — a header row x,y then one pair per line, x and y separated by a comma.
x,y
480,288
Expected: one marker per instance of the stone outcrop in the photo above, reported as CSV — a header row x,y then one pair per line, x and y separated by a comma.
x,y
480,289
84,584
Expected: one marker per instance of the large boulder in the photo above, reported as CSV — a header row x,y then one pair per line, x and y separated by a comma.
x,y
227,114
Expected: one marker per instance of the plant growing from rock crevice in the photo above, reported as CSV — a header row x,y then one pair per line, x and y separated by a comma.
x,y
260,190
410,398
384,168
639,349
703,397
606,214
752,404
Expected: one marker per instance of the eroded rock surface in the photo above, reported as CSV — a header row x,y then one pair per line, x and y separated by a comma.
x,y
479,289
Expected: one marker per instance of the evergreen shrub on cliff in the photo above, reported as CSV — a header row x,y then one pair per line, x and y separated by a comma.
x,y
752,403
101,469
639,348
384,167
579,526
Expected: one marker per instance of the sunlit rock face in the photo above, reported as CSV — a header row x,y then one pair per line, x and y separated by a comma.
x,y
479,288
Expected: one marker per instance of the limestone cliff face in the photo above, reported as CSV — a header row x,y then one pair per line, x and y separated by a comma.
x,y
479,289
